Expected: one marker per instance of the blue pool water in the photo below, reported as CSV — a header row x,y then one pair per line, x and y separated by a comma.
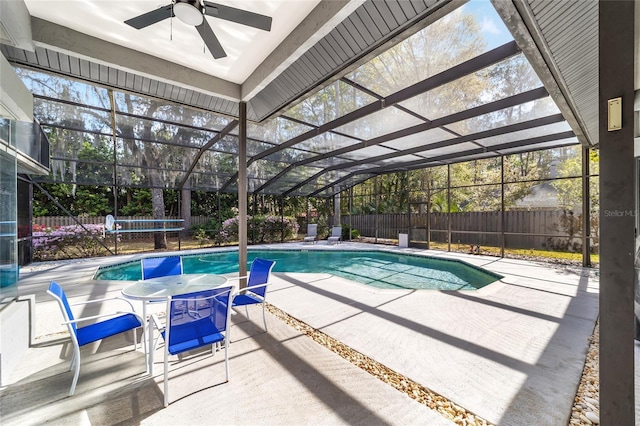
x,y
374,268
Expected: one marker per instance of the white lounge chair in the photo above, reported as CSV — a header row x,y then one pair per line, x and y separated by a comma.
x,y
336,235
312,234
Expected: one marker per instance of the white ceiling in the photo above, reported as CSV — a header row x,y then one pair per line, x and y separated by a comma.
x,y
175,41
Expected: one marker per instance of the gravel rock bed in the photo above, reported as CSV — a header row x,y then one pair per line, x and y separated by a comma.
x,y
586,406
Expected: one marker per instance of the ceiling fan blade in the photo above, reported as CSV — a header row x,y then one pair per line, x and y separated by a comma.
x,y
150,18
239,16
210,39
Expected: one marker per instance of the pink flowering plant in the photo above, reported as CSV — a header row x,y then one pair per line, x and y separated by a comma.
x,y
61,242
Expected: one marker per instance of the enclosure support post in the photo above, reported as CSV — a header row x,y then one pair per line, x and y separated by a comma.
x,y
429,215
617,225
586,208
328,205
282,218
448,207
336,207
185,209
180,210
242,193
254,210
502,224
112,102
408,209
308,213
375,190
219,216
350,211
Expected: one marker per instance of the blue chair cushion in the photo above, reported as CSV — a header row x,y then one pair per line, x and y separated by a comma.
x,y
192,335
245,299
107,328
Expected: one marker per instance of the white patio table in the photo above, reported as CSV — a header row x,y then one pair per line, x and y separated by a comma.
x,y
159,290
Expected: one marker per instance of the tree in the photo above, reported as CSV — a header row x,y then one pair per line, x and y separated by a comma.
x,y
570,190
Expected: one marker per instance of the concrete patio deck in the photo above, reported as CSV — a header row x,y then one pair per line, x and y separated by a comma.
x,y
511,352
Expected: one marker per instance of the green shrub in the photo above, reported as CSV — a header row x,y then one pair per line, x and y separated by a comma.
x,y
349,234
265,229
201,236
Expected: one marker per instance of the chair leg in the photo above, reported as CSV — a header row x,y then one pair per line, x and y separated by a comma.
x,y
73,361
246,309
76,364
143,341
264,317
166,377
226,354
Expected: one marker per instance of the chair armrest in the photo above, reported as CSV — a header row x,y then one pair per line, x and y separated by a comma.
x,y
254,286
111,314
251,288
237,278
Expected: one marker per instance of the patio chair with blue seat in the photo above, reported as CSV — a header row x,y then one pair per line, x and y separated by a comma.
x,y
206,322
256,290
119,322
336,235
155,267
312,233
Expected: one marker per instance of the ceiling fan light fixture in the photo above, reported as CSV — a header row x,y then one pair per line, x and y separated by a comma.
x,y
188,12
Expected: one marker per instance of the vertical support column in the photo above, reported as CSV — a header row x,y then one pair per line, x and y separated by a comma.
x,y
429,192
350,211
448,207
185,210
282,219
617,191
308,214
254,210
112,102
242,193
375,190
219,213
408,208
586,208
337,220
178,223
502,239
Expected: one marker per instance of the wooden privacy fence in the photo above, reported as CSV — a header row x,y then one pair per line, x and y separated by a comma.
x,y
538,229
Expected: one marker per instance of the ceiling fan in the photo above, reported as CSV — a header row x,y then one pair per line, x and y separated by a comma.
x,y
192,12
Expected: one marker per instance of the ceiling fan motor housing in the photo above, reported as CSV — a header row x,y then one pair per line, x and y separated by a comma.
x,y
189,11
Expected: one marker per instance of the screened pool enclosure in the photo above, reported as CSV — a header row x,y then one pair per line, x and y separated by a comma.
x,y
478,149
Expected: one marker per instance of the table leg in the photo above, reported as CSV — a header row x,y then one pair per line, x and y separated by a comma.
x,y
149,338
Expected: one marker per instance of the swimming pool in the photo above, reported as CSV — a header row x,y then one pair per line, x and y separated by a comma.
x,y
375,268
